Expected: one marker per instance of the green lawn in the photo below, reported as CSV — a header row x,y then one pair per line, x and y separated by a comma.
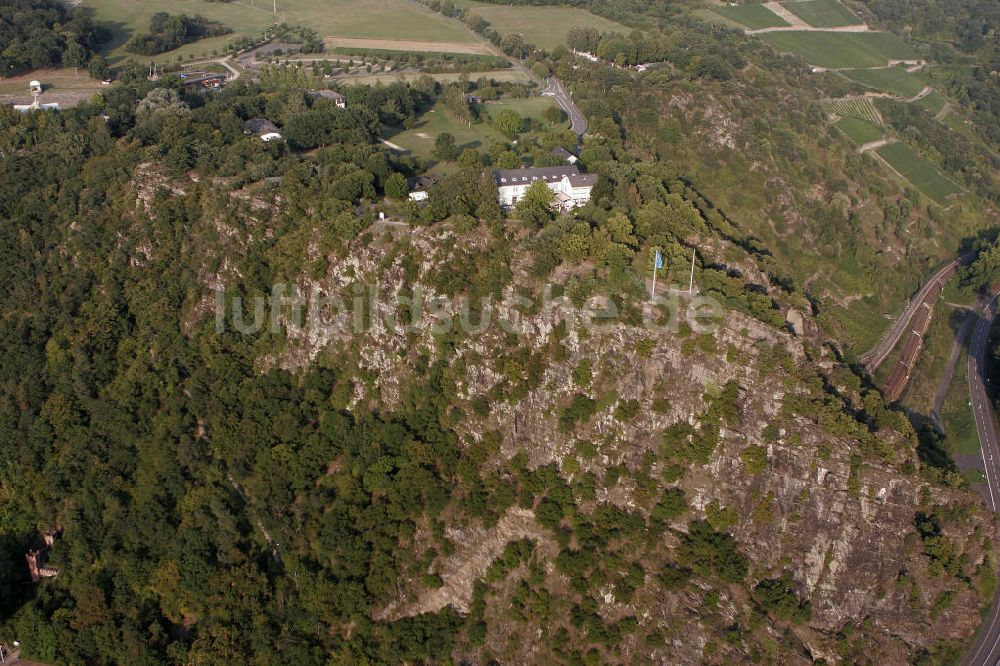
x,y
859,131
924,176
531,107
545,27
420,140
822,13
372,19
842,49
894,80
752,16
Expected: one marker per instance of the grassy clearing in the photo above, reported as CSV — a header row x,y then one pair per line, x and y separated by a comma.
x,y
822,13
859,131
531,108
842,50
420,140
370,19
933,102
921,173
956,414
861,108
545,27
894,80
933,360
751,16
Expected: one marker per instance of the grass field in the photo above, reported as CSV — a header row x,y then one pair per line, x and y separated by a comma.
x,y
933,102
751,16
924,176
368,19
545,27
894,80
843,50
861,108
956,415
822,13
859,131
420,140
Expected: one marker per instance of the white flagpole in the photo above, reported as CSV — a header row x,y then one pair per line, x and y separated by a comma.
x,y
691,283
653,293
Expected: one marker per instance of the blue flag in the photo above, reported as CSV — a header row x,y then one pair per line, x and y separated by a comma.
x,y
659,259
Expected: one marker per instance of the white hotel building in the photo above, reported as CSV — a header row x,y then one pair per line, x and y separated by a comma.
x,y
572,188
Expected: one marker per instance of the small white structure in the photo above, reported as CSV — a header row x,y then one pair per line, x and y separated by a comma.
x,y
419,195
36,89
572,188
584,54
564,155
263,129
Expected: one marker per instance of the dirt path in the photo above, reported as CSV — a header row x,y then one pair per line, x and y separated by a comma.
x,y
920,95
791,19
875,145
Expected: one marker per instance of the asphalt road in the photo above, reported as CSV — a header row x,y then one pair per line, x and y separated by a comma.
x,y
874,358
986,650
577,119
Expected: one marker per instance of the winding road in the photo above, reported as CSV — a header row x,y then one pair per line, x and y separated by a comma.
x,y
986,650
556,90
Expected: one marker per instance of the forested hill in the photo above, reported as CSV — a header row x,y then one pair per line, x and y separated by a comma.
x,y
221,400
35,34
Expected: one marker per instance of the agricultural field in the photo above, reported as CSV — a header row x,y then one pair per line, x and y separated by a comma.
x,y
861,108
893,80
752,16
921,173
367,19
842,50
859,131
545,27
512,75
822,13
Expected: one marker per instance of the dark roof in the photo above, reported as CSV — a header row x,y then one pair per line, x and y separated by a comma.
x,y
549,174
329,94
423,182
559,151
260,126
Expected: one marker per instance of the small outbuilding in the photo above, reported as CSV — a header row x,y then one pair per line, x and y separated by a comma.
x,y
263,129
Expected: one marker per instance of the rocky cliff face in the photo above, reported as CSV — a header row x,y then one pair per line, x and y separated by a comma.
x,y
798,494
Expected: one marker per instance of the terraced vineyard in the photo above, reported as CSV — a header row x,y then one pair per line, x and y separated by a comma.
x,y
861,108
752,16
893,80
822,13
859,131
924,175
842,50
